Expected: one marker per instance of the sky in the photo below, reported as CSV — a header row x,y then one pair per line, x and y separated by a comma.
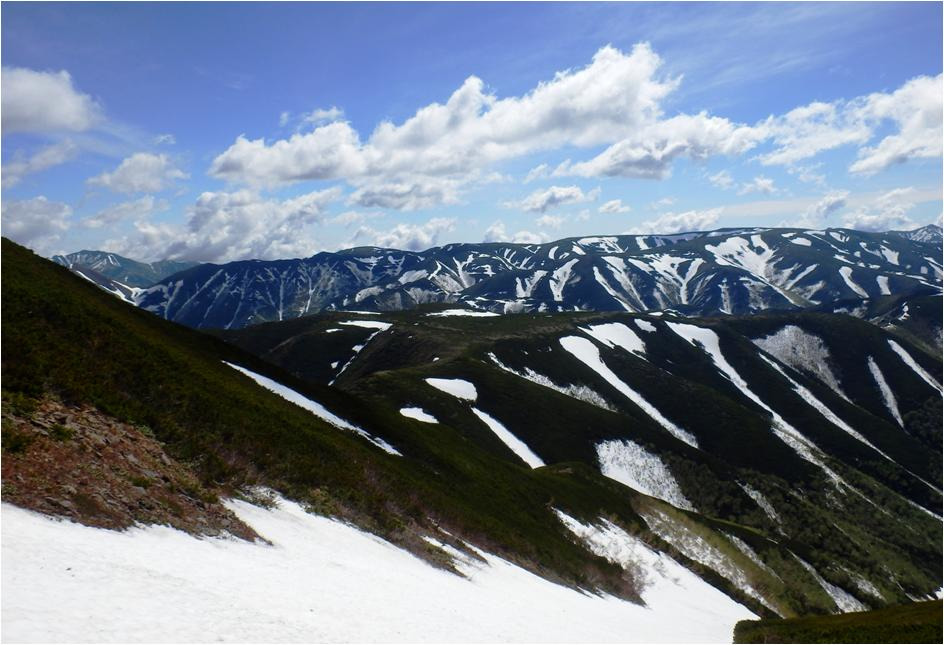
x,y
216,132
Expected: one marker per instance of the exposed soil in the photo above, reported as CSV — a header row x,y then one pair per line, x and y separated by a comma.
x,y
78,463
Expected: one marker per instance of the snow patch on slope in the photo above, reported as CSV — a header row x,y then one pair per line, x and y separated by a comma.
x,y
845,601
887,395
456,387
464,312
846,273
913,364
579,392
587,353
761,501
419,414
617,335
803,352
314,407
629,463
515,444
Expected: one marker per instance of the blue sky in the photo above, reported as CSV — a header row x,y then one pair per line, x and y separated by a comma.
x,y
221,131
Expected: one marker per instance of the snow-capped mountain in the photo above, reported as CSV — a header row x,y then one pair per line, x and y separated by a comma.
x,y
727,271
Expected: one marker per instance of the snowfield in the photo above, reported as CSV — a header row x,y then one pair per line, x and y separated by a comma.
x,y
457,387
319,581
463,312
419,414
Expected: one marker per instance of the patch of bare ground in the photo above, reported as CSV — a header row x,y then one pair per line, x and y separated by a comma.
x,y
75,462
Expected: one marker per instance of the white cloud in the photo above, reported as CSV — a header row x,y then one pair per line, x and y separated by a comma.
x,y
319,116
284,118
886,213
538,172
496,233
135,209
759,184
550,221
410,237
52,155
35,222
679,222
142,172
222,227
349,218
543,199
165,140
44,102
916,110
407,195
808,130
815,216
614,206
807,174
608,99
722,180
660,203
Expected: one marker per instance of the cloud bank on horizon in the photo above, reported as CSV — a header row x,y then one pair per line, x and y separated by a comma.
x,y
622,142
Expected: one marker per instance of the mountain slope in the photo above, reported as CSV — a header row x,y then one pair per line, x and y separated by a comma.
x,y
121,269
730,271
776,506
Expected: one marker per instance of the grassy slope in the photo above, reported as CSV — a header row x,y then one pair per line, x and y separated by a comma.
x,y
915,623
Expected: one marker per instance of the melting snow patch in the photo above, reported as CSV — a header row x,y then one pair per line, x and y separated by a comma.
x,y
846,273
455,386
644,325
580,392
321,581
331,331
368,324
913,364
803,352
587,353
843,599
882,281
666,585
315,408
887,395
464,312
761,501
516,445
617,335
419,414
629,463
801,241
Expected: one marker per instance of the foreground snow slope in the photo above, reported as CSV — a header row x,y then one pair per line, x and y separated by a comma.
x,y
319,581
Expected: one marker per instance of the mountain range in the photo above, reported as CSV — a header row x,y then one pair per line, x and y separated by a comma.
x,y
728,271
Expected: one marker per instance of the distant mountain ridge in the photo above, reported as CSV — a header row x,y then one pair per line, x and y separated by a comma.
x,y
727,271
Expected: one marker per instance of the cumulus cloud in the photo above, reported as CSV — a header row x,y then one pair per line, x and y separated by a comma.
x,y
44,102
407,195
165,140
137,208
349,218
613,96
808,130
759,184
887,213
542,200
226,226
319,116
614,206
45,158
668,223
36,223
496,233
916,111
660,203
410,237
538,172
722,180
142,172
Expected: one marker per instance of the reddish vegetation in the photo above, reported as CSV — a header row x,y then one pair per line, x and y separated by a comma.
x,y
78,463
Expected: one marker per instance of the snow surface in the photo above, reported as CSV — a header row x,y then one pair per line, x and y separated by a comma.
x,y
314,407
761,501
630,464
617,335
801,241
515,444
846,273
368,324
665,582
913,364
586,352
644,325
455,386
464,312
419,414
319,581
887,395
882,281
331,331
